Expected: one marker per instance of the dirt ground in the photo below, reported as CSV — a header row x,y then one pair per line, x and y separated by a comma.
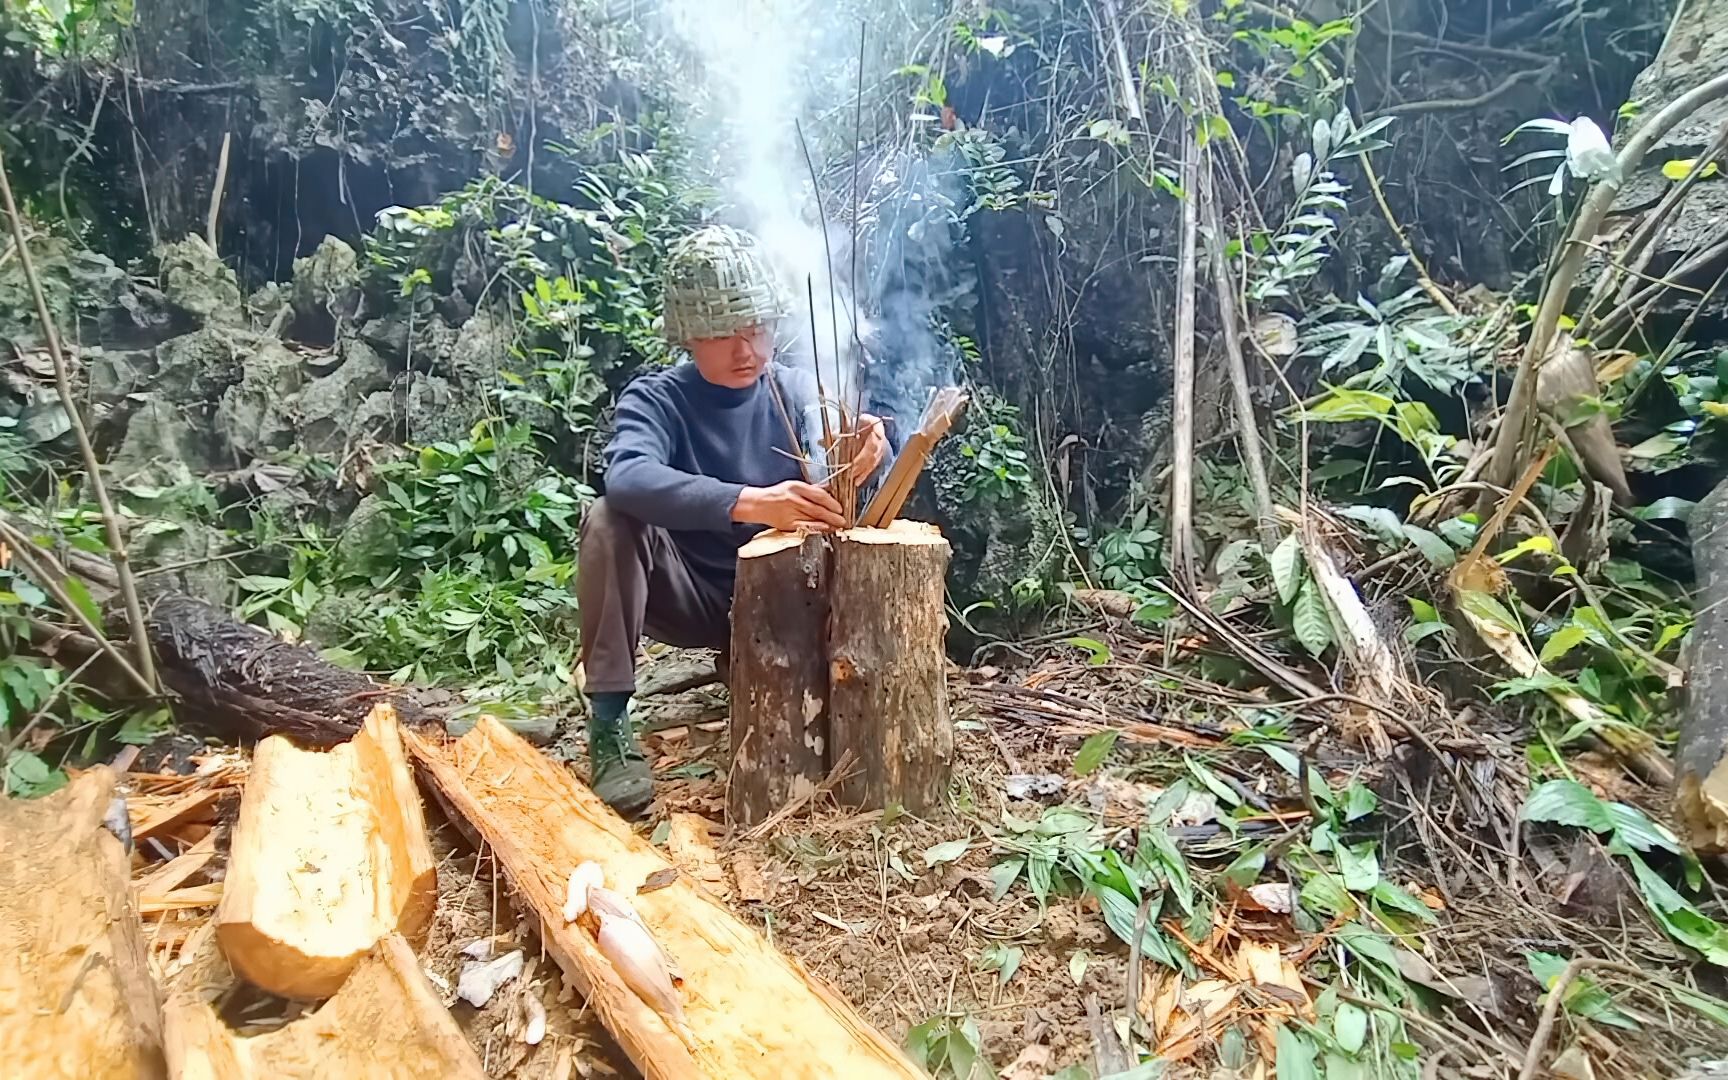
x,y
897,913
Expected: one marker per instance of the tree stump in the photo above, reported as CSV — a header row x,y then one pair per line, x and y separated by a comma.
x,y
837,656
779,675
887,685
329,856
79,1000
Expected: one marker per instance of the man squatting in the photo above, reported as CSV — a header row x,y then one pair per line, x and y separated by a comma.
x,y
701,459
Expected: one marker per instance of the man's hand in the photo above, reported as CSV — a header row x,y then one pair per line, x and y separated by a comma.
x,y
789,506
874,449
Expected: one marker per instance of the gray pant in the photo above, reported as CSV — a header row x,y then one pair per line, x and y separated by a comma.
x,y
631,579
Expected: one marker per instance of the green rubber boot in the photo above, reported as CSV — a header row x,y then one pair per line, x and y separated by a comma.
x,y
617,769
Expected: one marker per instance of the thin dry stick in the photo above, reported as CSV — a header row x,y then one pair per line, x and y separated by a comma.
x,y
840,449
1422,277
791,426
1247,429
146,663
1551,1007
216,192
1638,251
1182,540
821,391
1510,446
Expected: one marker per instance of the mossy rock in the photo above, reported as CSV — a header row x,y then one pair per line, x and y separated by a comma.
x,y
330,404
196,281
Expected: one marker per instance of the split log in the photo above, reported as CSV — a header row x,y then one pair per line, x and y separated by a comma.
x,y
779,677
329,856
385,1023
752,1011
1701,754
79,1001
837,654
888,690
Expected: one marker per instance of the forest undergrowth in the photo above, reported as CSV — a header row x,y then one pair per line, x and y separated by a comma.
x,y
1320,594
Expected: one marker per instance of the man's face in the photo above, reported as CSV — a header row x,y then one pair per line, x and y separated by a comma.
x,y
734,362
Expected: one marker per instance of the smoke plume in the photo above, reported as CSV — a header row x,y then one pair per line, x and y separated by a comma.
x,y
757,69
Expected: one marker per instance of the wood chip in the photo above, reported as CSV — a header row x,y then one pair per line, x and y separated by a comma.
x,y
197,896
752,887
152,814
691,849
172,874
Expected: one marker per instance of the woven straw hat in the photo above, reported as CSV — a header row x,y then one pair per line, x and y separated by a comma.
x,y
718,282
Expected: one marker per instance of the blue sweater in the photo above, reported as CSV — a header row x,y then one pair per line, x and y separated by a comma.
x,y
683,448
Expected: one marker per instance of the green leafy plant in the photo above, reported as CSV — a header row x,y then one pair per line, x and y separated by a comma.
x,y
1631,836
1300,246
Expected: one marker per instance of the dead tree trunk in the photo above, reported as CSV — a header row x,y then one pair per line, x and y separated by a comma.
x,y
79,1001
837,656
779,611
888,692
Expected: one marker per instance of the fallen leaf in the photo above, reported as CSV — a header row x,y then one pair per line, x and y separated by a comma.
x,y
1033,1063
946,852
658,880
1278,897
480,981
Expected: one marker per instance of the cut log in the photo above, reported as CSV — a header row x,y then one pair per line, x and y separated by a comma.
x,y
779,673
837,655
240,681
329,856
888,695
752,1011
79,1001
385,1023
1701,754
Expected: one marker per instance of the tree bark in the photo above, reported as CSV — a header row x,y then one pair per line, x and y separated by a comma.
x,y
384,1023
1701,754
751,1011
241,682
779,677
888,690
79,1001
330,855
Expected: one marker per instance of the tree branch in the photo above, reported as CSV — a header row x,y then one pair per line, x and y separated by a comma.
x,y
145,663
1509,448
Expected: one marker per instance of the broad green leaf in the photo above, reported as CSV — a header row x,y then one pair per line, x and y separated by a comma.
x,y
1359,802
80,596
1709,1007
1003,875
1396,897
1583,996
1295,1055
1350,1027
1359,866
1637,831
1433,548
1286,562
1563,641
1308,617
1567,802
946,852
1097,653
1093,752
